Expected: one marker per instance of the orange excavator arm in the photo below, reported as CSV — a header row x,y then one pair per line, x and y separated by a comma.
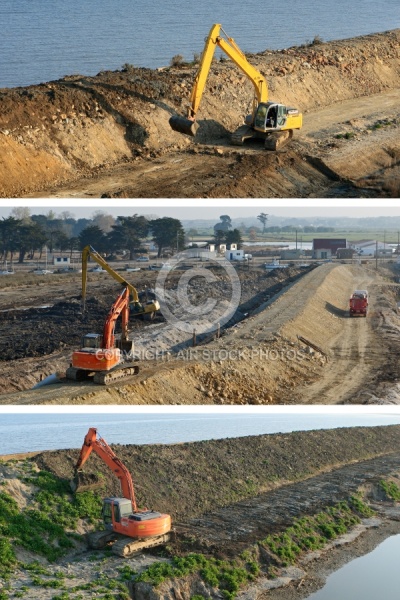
x,y
95,442
120,307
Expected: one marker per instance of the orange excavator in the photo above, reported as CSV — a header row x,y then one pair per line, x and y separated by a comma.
x,y
102,356
130,529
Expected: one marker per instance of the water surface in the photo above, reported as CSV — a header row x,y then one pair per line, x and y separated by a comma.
x,y
375,576
41,40
30,432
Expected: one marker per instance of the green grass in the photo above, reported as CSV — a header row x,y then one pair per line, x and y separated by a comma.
x,y
391,490
225,575
46,527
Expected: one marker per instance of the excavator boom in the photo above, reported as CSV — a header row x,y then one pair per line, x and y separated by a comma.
x,y
120,307
93,441
138,308
228,45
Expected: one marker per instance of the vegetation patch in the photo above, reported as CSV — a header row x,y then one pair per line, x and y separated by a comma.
x,y
45,527
225,575
282,549
313,532
391,490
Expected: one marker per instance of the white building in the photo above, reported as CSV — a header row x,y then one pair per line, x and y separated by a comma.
x,y
61,261
369,248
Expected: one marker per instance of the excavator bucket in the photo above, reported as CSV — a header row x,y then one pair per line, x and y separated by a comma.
x,y
183,125
83,482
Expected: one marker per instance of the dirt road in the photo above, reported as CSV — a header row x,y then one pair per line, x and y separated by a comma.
x,y
353,353
259,358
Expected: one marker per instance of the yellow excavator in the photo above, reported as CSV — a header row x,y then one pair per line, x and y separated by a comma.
x,y
269,120
137,308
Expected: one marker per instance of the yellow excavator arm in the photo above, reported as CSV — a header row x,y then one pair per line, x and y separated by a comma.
x,y
137,308
232,50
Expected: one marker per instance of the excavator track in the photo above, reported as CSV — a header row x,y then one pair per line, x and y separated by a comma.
x,y
278,139
107,377
99,539
244,132
76,374
125,546
102,377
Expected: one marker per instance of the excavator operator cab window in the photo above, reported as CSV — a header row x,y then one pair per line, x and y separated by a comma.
x,y
92,340
111,507
266,116
261,115
281,116
107,516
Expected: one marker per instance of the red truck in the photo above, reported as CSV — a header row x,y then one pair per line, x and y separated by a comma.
x,y
359,303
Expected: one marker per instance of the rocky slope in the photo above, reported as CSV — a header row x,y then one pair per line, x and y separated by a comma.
x,y
58,132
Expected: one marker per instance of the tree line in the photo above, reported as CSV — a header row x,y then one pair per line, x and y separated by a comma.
x,y
23,235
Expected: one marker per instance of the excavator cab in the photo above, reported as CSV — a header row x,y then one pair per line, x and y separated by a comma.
x,y
114,509
91,341
269,116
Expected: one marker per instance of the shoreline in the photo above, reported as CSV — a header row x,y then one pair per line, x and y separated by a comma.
x,y
295,47
317,567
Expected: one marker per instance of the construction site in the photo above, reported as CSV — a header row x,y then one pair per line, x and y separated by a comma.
x,y
110,135
291,340
232,502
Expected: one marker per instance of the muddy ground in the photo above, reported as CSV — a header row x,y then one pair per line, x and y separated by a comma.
x,y
226,494
291,342
108,136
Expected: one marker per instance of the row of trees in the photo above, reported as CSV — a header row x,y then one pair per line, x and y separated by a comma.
x,y
225,225
27,235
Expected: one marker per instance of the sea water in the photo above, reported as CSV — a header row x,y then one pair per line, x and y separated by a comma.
x,y
42,40
27,432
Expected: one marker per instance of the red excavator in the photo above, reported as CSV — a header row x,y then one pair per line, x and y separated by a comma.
x,y
129,528
102,356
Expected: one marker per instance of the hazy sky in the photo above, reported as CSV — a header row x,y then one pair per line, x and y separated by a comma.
x,y
211,209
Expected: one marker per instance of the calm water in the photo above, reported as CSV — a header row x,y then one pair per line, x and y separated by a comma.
x,y
28,432
375,576
41,40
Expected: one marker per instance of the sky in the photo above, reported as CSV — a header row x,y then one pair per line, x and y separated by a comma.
x,y
211,209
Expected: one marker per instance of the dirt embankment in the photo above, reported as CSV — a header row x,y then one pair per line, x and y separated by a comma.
x,y
224,496
297,346
193,479
110,135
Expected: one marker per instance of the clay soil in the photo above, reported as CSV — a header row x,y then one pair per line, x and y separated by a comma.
x,y
291,341
108,136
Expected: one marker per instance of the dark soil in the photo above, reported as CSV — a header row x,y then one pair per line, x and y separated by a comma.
x,y
36,332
